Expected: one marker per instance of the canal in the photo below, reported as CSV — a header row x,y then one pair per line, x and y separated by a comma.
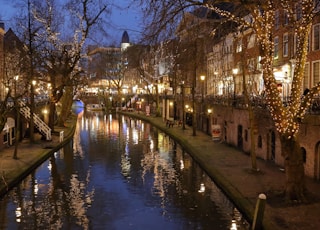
x,y
118,173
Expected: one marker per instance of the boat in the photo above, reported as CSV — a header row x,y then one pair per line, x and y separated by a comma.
x,y
95,107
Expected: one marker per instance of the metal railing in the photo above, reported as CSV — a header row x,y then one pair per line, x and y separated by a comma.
x,y
40,124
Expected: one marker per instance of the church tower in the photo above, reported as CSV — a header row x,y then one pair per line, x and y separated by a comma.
x,y
125,43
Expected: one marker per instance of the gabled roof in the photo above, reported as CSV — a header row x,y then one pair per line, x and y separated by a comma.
x,y
11,41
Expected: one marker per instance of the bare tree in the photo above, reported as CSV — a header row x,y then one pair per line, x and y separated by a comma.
x,y
64,51
287,119
137,55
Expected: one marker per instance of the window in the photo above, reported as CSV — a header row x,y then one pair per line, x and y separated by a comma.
x,y
259,66
251,41
239,46
285,18
298,11
285,45
316,37
276,47
277,19
251,63
315,72
316,5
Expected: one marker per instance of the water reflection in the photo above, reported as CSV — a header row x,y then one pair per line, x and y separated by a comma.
x,y
118,173
47,198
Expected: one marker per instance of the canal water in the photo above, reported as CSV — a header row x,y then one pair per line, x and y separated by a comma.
x,y
117,174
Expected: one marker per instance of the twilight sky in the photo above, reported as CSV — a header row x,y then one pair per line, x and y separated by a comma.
x,y
127,18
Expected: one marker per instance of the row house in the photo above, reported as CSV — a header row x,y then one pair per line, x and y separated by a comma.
x,y
234,59
237,49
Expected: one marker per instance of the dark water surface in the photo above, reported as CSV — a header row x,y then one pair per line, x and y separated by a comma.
x,y
118,173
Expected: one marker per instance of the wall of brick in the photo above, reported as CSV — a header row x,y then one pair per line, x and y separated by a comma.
x,y
232,119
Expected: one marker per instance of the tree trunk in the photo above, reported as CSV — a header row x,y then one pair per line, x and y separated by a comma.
x,y
66,104
294,169
52,112
17,133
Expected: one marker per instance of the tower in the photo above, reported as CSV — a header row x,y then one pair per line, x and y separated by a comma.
x,y
125,42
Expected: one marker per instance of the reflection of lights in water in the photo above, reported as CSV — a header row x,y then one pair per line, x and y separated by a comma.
x,y
181,164
161,165
233,225
97,121
202,188
80,200
125,165
49,166
135,138
18,214
86,124
36,187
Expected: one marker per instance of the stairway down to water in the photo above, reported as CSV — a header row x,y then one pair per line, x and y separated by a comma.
x,y
39,124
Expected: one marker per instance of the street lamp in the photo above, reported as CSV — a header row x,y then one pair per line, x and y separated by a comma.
x,y
17,128
234,73
202,78
16,78
209,122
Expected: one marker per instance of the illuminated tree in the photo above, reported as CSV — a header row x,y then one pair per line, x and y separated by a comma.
x,y
62,50
260,16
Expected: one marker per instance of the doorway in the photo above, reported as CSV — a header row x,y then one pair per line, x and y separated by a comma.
x,y
240,138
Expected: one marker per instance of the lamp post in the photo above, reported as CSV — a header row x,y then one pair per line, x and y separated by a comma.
x,y
17,129
234,73
202,78
182,105
210,122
